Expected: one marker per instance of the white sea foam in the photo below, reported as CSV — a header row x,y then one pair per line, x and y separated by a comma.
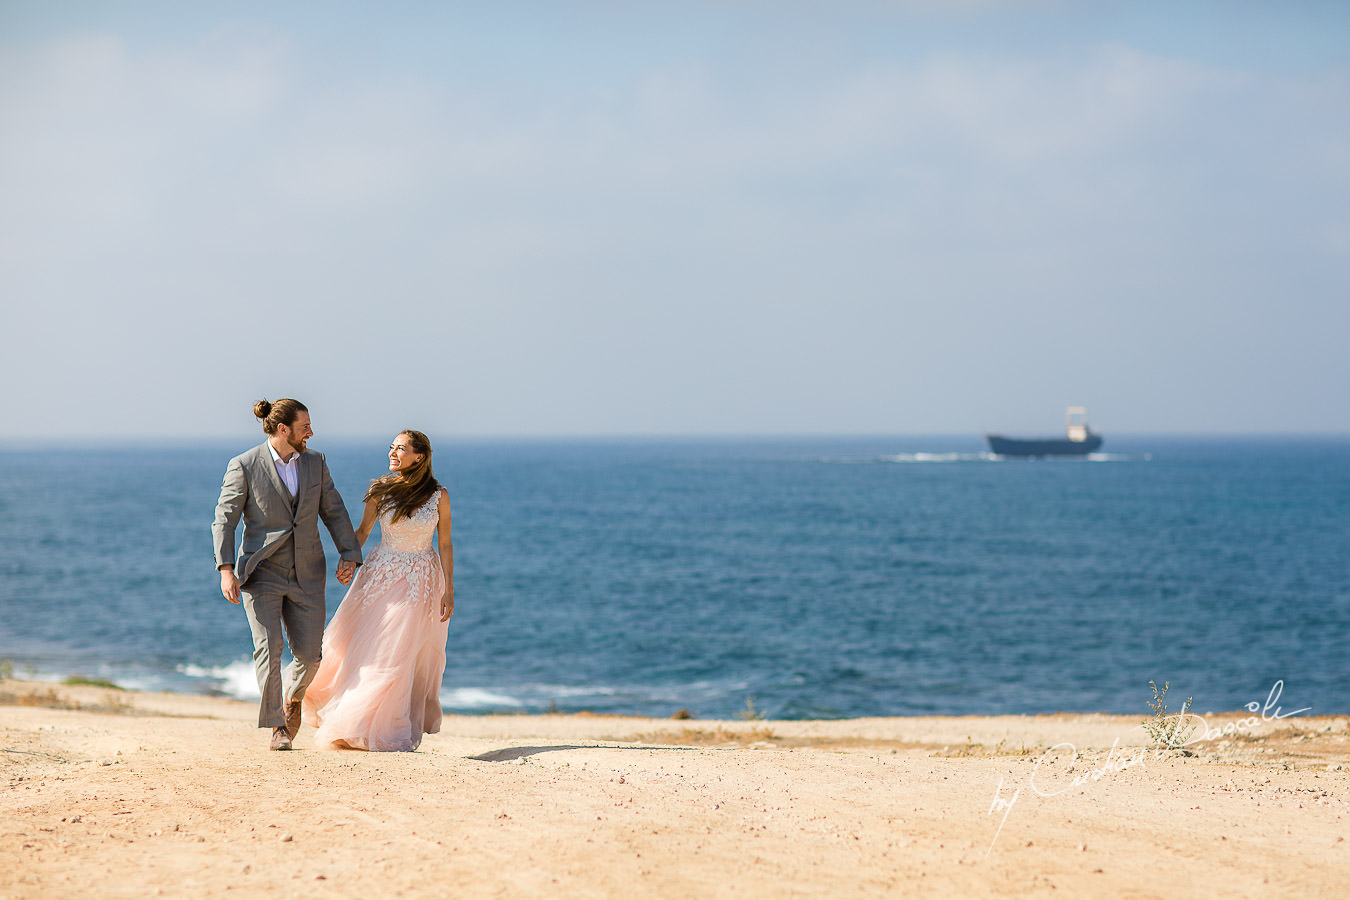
x,y
237,679
909,458
566,690
939,457
476,698
521,695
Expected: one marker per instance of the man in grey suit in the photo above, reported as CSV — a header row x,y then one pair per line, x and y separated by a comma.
x,y
281,490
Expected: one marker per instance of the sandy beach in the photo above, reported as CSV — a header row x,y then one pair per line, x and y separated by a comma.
x,y
120,794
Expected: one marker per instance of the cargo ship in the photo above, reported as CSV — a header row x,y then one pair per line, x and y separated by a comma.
x,y
1079,439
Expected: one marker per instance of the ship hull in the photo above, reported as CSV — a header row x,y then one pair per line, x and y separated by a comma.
x,y
1004,446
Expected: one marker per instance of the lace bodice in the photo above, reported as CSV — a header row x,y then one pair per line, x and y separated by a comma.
x,y
405,552
413,534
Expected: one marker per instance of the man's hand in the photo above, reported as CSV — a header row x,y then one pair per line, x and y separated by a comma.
x,y
229,584
345,570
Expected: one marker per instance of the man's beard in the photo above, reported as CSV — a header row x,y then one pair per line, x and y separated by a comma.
x,y
298,448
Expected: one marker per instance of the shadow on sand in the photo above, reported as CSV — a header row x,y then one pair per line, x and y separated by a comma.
x,y
507,754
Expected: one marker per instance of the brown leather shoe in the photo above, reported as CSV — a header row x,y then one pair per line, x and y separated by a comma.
x,y
293,718
280,739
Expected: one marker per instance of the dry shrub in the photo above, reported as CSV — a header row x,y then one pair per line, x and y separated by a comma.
x,y
46,697
973,749
704,737
51,698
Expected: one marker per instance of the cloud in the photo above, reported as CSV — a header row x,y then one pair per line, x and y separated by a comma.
x,y
804,233
99,141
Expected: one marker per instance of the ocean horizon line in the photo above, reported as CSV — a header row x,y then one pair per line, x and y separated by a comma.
x,y
141,441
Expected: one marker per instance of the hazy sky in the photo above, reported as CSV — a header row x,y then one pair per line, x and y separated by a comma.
x,y
669,218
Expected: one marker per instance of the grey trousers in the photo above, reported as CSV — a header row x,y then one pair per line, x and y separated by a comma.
x,y
272,599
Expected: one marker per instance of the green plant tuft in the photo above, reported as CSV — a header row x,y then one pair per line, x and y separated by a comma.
x,y
1169,732
85,681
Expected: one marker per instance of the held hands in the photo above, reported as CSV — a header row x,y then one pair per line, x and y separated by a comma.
x,y
229,584
345,570
448,603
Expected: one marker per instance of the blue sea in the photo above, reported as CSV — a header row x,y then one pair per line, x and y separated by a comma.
x,y
807,578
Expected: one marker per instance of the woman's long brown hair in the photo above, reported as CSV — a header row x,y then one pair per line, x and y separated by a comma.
x,y
405,492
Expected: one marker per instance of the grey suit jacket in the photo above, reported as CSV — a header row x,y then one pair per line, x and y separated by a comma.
x,y
253,491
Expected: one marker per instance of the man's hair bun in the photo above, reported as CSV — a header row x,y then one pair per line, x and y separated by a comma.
x,y
283,412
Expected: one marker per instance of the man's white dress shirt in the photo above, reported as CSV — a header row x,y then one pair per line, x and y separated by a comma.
x,y
289,471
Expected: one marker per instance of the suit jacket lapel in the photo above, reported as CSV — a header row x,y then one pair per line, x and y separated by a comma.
x,y
273,477
301,477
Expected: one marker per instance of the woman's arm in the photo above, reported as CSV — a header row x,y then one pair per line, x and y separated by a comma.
x,y
447,556
367,524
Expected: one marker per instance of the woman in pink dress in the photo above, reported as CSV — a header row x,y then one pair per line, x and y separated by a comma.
x,y
379,683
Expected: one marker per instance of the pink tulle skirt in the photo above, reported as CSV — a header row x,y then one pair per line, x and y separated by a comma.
x,y
379,682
